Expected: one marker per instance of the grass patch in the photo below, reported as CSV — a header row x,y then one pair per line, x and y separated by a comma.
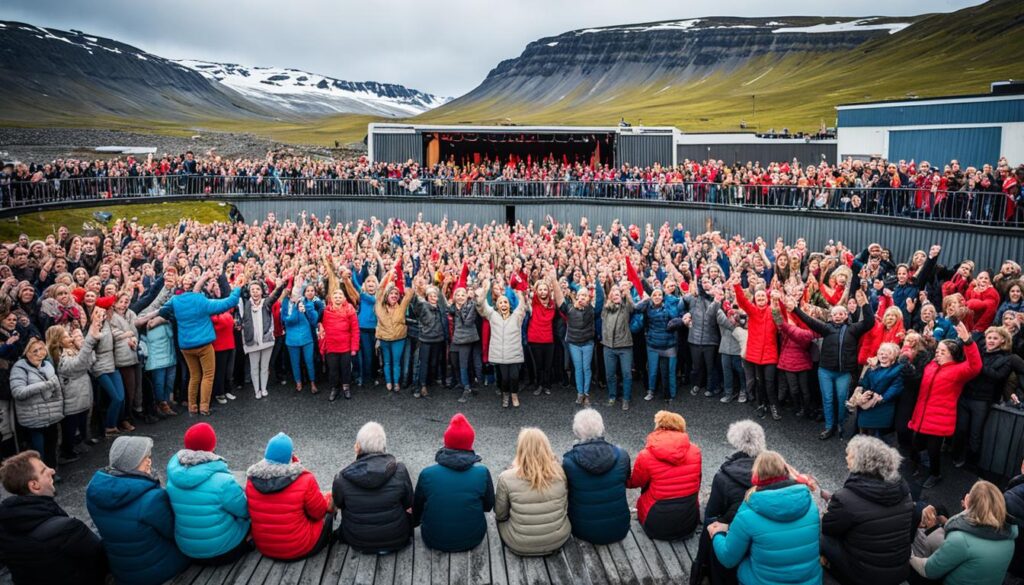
x,y
42,223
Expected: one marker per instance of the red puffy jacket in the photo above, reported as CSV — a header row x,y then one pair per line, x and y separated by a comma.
x,y
762,333
795,355
668,467
341,330
983,305
935,411
286,508
224,327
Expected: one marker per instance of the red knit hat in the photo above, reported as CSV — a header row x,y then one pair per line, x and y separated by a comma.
x,y
200,437
460,434
79,294
106,302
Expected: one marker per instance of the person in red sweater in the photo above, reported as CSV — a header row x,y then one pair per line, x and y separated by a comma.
x,y
224,355
668,472
935,412
983,301
339,342
762,345
291,518
540,335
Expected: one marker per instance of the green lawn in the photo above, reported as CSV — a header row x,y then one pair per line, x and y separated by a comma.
x,y
38,224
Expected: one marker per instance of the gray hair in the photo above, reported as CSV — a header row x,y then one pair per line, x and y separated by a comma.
x,y
746,436
871,456
371,438
588,424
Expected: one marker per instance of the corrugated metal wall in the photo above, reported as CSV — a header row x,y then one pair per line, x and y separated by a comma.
x,y
987,247
806,153
971,146
644,149
982,112
388,147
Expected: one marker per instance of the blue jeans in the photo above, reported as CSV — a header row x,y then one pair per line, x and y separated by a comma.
x,y
303,353
655,363
582,356
834,389
615,359
391,355
163,383
732,365
367,340
114,388
411,362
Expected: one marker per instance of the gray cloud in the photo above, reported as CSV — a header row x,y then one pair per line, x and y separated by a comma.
x,y
442,47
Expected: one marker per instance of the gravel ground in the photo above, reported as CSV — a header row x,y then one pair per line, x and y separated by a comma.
x,y
45,144
324,434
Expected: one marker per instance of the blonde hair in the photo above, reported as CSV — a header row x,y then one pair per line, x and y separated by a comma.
x,y
535,462
767,464
32,342
55,342
895,312
987,506
666,419
1005,334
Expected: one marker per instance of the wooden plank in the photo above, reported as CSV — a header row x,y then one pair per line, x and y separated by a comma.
x,y
622,563
260,574
536,571
276,573
458,568
605,556
480,564
313,570
514,568
683,555
293,572
438,567
403,565
335,564
243,569
348,572
647,570
188,576
420,561
586,568
675,570
692,542
385,569
499,573
558,568
218,575
365,569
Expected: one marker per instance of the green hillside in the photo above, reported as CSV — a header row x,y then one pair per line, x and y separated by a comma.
x,y
42,223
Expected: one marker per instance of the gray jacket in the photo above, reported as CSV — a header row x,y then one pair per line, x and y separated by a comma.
x,y
506,345
729,345
433,320
104,363
704,320
531,522
73,371
465,318
124,326
248,336
615,332
38,400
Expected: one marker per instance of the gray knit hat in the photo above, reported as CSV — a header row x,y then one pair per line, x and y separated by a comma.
x,y
128,452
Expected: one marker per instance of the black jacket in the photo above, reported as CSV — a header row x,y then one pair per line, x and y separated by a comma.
x,y
1014,495
373,494
989,383
729,487
839,342
873,519
41,544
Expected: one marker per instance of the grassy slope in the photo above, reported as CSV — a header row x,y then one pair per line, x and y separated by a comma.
x,y
39,224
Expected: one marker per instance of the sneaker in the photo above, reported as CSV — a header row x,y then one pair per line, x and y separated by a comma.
x,y
259,394
727,399
611,402
743,398
761,411
230,396
538,391
416,394
649,397
695,391
222,400
82,449
958,463
579,399
465,396
709,393
775,413
827,434
547,391
265,393
932,481
348,394
333,396
625,405
586,401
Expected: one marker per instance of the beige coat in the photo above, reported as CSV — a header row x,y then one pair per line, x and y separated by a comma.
x,y
506,346
531,523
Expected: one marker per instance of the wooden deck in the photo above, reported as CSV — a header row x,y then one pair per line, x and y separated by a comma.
x,y
637,559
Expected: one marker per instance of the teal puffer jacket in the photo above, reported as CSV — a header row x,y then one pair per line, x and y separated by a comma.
x,y
210,511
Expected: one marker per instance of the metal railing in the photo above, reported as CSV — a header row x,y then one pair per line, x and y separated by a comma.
x,y
978,208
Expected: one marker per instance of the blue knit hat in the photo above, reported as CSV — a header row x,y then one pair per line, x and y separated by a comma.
x,y
279,449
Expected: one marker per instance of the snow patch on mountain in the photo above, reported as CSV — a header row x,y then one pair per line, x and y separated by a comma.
x,y
848,26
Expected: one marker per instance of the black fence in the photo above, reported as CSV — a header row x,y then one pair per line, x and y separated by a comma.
x,y
962,207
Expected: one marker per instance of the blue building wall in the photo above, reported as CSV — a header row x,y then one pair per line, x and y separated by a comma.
x,y
971,146
980,112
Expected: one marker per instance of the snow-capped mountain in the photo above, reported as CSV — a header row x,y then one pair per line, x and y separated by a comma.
x,y
312,93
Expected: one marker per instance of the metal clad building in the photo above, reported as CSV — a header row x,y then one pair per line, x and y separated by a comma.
x,y
974,129
743,147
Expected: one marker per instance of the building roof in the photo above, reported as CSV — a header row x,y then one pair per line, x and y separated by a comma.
x,y
951,99
392,127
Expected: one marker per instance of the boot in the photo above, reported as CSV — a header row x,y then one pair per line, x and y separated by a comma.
x,y
515,400
333,396
775,413
346,391
465,395
504,399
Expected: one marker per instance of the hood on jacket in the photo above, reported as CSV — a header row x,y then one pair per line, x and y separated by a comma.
x,y
23,514
111,491
783,502
959,522
188,468
739,468
668,446
878,490
371,471
595,456
456,459
268,477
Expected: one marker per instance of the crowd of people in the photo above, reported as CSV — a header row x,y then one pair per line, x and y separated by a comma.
x,y
765,522
989,194
103,330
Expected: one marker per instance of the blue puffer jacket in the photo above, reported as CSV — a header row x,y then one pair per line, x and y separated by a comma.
x,y
773,537
210,512
367,316
133,515
160,348
298,326
451,499
597,472
192,312
656,320
888,383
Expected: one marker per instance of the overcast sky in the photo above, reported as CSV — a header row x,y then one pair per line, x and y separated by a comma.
x,y
443,47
